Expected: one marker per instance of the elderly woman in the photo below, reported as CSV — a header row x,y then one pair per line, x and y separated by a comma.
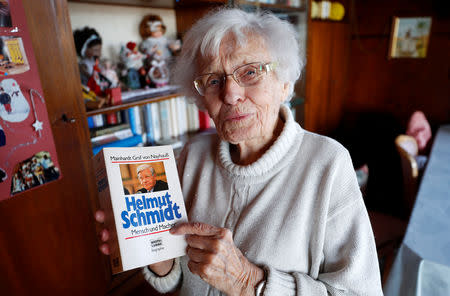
x,y
273,209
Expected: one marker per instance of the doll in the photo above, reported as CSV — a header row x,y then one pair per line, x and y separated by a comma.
x,y
88,44
155,45
108,70
159,73
133,61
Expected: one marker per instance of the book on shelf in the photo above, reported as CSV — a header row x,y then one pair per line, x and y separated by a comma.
x,y
164,118
149,130
140,215
98,120
174,118
111,137
135,120
108,129
192,117
204,120
139,94
155,121
134,140
159,123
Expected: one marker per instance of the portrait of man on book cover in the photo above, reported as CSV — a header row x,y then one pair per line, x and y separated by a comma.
x,y
143,178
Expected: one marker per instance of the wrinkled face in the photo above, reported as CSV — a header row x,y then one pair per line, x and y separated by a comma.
x,y
249,113
146,179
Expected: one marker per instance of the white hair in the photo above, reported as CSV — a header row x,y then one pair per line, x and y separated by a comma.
x,y
144,167
204,38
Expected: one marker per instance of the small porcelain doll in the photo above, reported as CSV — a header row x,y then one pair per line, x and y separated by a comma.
x,y
109,71
155,45
133,61
88,44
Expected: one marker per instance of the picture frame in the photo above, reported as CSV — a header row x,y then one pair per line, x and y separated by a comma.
x,y
410,37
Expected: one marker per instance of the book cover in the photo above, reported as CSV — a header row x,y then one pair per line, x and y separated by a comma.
x,y
140,193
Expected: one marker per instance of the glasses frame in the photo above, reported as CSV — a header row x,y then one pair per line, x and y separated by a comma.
x,y
265,67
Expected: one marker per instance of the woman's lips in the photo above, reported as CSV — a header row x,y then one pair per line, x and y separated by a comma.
x,y
237,117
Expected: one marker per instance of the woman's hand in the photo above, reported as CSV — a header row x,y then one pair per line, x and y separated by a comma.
x,y
161,268
214,257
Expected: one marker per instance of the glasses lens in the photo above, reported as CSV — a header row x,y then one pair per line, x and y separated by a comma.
x,y
248,74
208,84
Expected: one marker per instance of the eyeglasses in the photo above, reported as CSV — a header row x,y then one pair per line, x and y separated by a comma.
x,y
245,75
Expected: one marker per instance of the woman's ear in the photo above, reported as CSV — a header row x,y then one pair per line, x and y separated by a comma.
x,y
285,91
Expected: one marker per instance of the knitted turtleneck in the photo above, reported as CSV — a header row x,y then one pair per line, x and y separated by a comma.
x,y
297,212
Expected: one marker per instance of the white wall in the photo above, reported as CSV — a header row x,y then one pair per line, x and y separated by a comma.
x,y
117,24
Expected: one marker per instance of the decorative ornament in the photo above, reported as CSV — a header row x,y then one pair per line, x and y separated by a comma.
x,y
37,124
14,106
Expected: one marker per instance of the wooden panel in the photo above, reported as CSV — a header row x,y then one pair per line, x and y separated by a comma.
x,y
48,238
326,74
399,86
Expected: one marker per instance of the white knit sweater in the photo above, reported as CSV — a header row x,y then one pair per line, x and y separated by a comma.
x,y
297,211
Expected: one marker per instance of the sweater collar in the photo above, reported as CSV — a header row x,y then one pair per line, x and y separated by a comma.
x,y
271,158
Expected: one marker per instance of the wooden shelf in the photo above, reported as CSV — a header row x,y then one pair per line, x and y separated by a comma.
x,y
127,105
143,3
273,7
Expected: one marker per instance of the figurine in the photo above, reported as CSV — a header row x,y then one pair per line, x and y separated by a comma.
x,y
155,45
108,70
88,44
159,73
133,61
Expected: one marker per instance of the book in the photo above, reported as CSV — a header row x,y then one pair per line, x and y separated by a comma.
x,y
139,94
132,141
138,220
204,120
193,119
108,130
111,137
149,130
135,120
155,121
173,114
98,120
164,117
182,115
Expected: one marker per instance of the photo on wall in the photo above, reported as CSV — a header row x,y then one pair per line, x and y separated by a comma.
x,y
13,59
410,37
5,14
34,171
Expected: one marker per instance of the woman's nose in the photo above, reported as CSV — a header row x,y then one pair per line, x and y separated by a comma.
x,y
231,92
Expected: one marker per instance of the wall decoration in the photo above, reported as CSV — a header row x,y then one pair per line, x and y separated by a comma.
x,y
410,37
34,171
28,157
13,105
13,59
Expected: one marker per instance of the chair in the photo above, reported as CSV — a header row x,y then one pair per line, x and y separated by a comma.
x,y
407,149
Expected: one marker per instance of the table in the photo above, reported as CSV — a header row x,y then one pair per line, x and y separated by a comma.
x,y
422,265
